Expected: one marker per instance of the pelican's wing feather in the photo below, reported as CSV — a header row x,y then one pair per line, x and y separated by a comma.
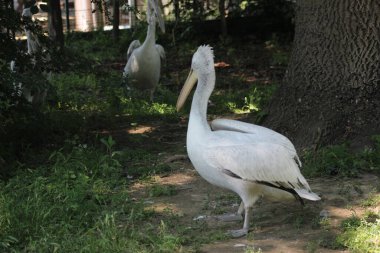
x,y
134,44
161,52
261,162
262,133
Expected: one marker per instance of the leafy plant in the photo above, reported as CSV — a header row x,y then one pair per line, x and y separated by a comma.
x,y
339,160
162,190
362,237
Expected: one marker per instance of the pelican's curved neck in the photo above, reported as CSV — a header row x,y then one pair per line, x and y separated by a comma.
x,y
150,39
198,113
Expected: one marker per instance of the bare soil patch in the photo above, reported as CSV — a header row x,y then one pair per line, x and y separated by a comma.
x,y
277,227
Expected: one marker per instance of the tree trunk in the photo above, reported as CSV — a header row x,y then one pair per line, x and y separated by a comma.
x,y
176,11
222,11
55,22
116,20
331,88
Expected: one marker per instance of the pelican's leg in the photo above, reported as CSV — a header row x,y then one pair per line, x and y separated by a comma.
x,y
151,95
234,216
244,231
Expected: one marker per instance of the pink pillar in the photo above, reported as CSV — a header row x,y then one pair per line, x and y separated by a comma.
x,y
83,15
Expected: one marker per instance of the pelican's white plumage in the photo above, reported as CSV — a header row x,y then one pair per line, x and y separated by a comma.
x,y
32,40
34,47
144,61
251,160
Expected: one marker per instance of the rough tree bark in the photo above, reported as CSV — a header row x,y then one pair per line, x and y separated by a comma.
x,y
331,89
55,22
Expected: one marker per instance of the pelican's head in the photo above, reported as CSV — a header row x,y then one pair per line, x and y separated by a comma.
x,y
202,66
203,60
154,14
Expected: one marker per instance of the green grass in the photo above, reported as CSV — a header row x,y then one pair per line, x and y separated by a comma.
x,y
340,160
158,190
99,46
78,202
372,200
361,236
242,101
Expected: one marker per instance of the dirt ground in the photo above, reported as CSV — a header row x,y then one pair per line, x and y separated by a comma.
x,y
276,227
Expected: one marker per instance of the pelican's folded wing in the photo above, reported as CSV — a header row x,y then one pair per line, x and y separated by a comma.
x,y
262,132
264,163
161,52
134,44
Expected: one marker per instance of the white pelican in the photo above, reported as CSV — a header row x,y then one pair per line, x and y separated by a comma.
x,y
144,61
32,40
252,161
34,47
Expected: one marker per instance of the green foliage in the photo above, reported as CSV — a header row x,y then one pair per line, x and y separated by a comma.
x,y
77,91
243,101
93,93
282,9
157,190
99,47
372,200
339,160
252,249
76,203
280,55
360,235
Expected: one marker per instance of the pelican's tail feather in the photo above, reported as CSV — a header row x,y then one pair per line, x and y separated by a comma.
x,y
307,194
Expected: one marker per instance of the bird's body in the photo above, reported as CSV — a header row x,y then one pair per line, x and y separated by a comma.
x,y
203,151
37,95
249,160
143,66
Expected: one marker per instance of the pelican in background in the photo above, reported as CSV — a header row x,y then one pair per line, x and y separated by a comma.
x,y
144,61
34,46
250,160
32,40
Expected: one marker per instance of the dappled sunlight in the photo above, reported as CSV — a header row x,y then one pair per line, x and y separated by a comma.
x,y
177,179
141,130
185,201
251,79
221,64
164,208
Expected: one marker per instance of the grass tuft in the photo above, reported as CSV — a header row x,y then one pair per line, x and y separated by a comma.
x,y
339,160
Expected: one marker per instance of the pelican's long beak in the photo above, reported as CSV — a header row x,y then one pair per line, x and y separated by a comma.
x,y
158,14
186,89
